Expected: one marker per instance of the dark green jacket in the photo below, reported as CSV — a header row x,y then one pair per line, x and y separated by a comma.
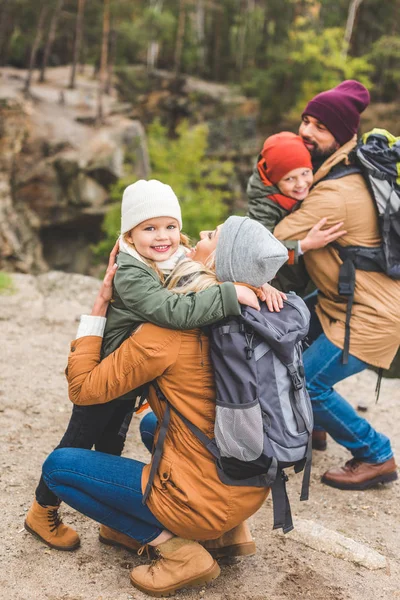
x,y
140,297
292,277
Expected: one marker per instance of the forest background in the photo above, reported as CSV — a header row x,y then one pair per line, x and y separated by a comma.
x,y
279,53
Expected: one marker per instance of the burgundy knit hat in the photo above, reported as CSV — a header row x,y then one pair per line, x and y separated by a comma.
x,y
284,152
339,109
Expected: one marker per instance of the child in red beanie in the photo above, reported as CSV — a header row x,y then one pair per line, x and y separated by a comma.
x,y
281,179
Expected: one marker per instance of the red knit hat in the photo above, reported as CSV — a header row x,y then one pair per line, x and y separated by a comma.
x,y
339,109
284,152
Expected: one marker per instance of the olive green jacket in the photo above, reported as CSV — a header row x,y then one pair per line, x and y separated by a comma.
x,y
140,297
291,277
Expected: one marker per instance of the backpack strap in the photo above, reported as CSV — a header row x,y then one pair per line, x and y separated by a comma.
x,y
157,453
123,430
346,288
340,170
305,486
354,257
281,506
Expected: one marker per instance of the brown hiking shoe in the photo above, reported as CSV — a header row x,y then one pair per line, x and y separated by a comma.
x,y
111,537
180,564
236,542
358,475
45,523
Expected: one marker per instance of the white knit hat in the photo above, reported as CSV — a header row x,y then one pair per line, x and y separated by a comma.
x,y
147,200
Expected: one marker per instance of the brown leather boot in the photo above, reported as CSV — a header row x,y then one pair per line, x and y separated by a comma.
x,y
180,564
236,542
358,475
45,523
111,537
319,440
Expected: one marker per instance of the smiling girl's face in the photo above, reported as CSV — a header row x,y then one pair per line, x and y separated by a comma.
x,y
206,246
157,239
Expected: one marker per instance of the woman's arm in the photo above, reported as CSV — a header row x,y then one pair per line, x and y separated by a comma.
x,y
141,358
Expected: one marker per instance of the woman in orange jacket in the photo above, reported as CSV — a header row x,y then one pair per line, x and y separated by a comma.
x,y
187,500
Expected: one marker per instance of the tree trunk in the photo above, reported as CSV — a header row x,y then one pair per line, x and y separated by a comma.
x,y
78,42
103,61
6,29
351,17
50,38
217,46
154,47
111,62
180,34
35,46
199,27
248,8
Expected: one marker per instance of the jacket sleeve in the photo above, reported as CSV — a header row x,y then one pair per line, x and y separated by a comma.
x,y
267,212
325,200
148,300
141,358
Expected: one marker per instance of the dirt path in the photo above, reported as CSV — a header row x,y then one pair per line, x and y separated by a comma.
x,y
36,325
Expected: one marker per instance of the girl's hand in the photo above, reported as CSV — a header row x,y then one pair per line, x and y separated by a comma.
x,y
246,296
317,238
106,290
273,297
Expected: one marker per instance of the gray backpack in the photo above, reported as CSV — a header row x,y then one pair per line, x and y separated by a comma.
x,y
263,413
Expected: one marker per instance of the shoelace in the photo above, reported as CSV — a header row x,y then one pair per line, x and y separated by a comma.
x,y
353,464
54,519
154,561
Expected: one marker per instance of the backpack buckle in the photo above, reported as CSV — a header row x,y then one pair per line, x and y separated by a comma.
x,y
345,288
296,380
249,352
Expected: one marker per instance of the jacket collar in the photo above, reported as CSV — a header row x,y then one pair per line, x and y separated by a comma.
x,y
341,155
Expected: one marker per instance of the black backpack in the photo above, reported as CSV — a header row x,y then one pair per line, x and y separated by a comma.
x,y
264,418
377,158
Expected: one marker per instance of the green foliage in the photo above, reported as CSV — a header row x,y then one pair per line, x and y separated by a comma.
x,y
199,182
319,62
6,283
385,56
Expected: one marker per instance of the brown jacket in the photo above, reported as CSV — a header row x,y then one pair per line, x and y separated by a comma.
x,y
375,321
187,496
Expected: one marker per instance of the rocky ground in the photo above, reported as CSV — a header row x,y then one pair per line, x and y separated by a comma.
x,y
36,324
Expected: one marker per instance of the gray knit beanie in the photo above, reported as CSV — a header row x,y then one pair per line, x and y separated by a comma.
x,y
247,252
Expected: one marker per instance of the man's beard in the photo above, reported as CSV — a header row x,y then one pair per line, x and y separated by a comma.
x,y
319,155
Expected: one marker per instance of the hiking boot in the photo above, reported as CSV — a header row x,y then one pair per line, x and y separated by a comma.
x,y
358,475
179,564
236,542
319,440
45,523
111,537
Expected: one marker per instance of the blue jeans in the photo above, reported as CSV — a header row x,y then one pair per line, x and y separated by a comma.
x,y
147,429
324,368
105,488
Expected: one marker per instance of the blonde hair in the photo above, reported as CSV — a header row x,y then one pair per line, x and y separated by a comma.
x,y
183,241
192,276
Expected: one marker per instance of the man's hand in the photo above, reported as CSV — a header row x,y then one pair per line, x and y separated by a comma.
x,y
106,290
273,297
319,238
246,296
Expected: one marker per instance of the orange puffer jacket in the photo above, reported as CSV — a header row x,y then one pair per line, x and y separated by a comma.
x,y
187,495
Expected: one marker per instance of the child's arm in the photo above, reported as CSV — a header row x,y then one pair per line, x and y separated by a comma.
x,y
148,301
268,213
